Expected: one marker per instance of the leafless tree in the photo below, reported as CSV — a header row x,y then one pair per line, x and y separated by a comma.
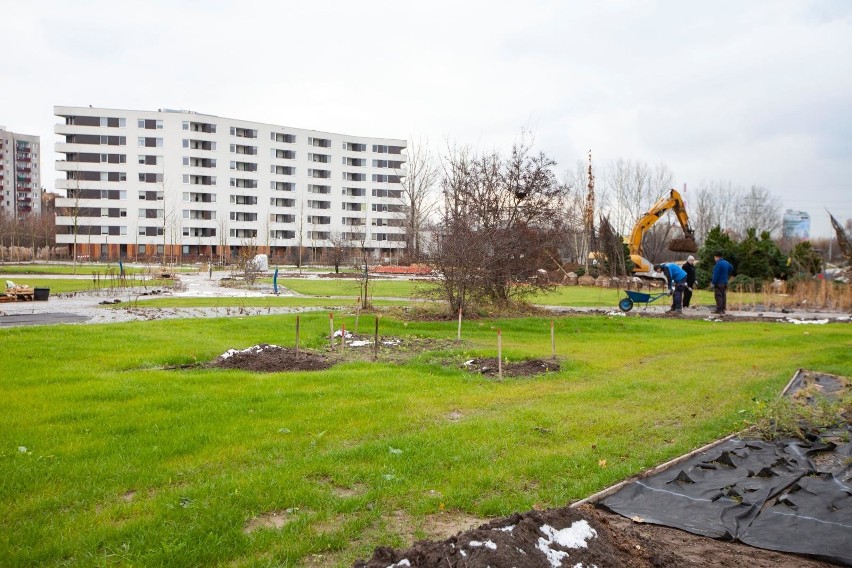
x,y
418,195
630,189
734,209
500,222
758,209
339,250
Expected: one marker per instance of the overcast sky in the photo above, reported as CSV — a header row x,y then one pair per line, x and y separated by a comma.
x,y
756,93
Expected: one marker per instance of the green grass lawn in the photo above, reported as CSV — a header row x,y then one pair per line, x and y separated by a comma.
x,y
349,287
81,269
107,459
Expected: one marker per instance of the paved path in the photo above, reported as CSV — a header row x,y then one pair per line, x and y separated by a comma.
x,y
85,307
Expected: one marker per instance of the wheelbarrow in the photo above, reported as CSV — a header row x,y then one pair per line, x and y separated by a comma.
x,y
626,304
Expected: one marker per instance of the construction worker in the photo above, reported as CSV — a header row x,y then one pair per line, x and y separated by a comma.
x,y
689,268
676,282
722,271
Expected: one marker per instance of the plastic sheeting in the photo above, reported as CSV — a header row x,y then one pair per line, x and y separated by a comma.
x,y
790,495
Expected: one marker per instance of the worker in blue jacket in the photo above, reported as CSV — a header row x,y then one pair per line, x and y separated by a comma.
x,y
676,282
722,271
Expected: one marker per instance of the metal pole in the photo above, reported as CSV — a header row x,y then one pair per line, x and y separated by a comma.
x,y
331,330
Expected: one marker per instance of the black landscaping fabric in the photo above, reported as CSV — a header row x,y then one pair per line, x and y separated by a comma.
x,y
790,495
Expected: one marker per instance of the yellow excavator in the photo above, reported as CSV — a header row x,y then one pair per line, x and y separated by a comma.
x,y
671,202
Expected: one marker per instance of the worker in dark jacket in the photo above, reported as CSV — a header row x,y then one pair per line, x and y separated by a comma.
x,y
721,274
689,268
676,282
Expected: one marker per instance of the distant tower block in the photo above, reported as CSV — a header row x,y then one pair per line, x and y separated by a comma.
x,y
796,225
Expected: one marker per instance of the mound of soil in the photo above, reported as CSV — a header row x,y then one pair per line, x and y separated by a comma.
x,y
528,368
583,536
271,359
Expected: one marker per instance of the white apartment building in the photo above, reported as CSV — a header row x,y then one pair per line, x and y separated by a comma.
x,y
20,163
183,184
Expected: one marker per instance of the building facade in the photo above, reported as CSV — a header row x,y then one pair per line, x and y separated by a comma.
x,y
141,184
796,225
20,165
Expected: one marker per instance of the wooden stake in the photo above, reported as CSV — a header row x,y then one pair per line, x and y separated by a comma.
x,y
458,334
297,335
499,354
552,341
357,313
376,340
342,337
331,329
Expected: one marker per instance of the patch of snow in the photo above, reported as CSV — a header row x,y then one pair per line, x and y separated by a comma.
x,y
463,553
615,313
575,536
401,563
339,332
22,449
395,451
553,556
253,350
468,363
487,544
798,321
360,343
509,529
392,342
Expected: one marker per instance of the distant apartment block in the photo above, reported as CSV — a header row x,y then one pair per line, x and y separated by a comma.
x,y
20,183
796,225
179,183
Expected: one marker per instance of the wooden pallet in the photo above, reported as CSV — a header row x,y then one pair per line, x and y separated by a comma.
x,y
20,293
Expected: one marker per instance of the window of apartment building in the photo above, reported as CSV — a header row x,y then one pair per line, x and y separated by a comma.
x,y
357,162
355,191
353,147
280,137
319,142
382,178
350,176
325,174
315,204
324,189
244,199
323,158
284,154
149,124
393,193
282,186
111,122
148,142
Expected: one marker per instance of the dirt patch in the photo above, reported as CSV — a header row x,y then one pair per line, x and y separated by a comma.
x,y
529,368
584,536
270,520
271,359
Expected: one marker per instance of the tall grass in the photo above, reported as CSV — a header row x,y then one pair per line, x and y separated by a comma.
x,y
816,294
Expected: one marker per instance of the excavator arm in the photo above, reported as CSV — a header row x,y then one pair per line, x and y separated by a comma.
x,y
671,202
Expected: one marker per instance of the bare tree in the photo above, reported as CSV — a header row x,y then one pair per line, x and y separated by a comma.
x,y
758,209
338,252
500,222
418,185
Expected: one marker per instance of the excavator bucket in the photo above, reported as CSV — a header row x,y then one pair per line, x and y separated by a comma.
x,y
686,244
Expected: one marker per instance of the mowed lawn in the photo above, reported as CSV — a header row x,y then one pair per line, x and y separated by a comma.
x,y
108,459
